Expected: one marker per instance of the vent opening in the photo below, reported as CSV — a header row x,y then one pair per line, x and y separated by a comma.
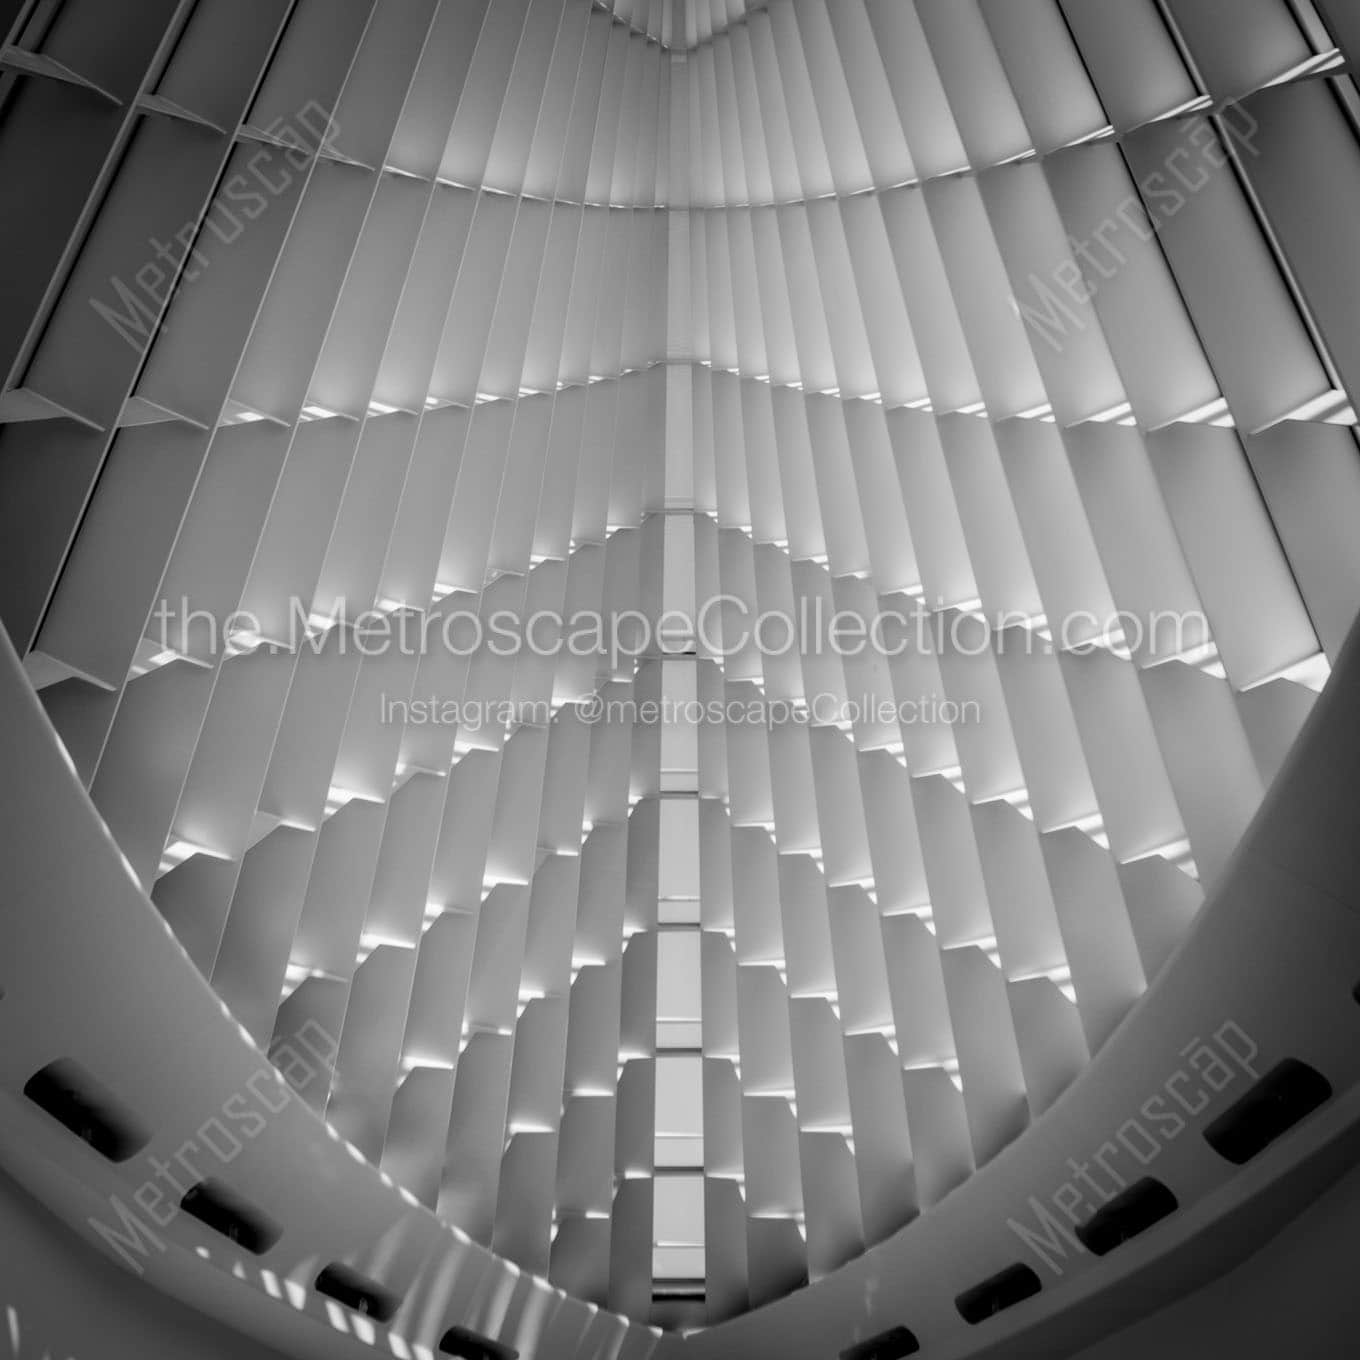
x,y
236,1218
357,1292
1288,1093
1134,1211
466,1345
890,1345
66,1091
1003,1290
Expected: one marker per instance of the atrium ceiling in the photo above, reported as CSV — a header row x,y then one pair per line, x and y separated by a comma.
x,y
1032,323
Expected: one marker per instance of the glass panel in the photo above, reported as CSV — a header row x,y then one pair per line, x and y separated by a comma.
x,y
679,1011
678,865
678,1212
679,1097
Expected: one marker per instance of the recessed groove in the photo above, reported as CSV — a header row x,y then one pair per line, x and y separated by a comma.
x,y
357,1292
1285,1096
74,1098
997,1293
238,1220
466,1345
894,1344
1130,1213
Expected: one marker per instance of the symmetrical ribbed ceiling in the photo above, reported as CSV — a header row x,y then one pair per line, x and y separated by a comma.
x,y
1033,321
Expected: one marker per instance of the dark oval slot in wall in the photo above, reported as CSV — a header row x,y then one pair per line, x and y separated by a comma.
x,y
357,1292
1288,1093
66,1091
230,1214
890,1345
1003,1290
466,1345
1140,1206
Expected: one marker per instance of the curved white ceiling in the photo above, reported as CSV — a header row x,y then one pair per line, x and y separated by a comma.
x,y
1032,321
